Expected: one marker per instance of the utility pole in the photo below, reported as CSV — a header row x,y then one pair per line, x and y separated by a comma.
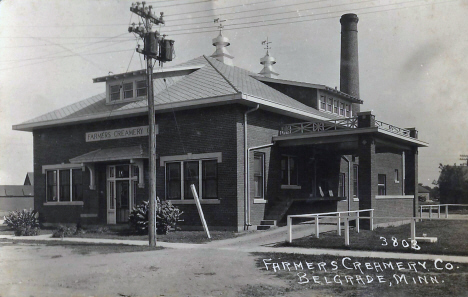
x,y
159,49
464,158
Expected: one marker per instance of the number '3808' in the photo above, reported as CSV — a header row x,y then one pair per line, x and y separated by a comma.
x,y
404,243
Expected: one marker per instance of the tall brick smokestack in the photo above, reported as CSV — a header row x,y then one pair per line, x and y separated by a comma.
x,y
349,65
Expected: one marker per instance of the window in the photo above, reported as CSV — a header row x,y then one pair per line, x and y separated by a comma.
x,y
259,169
64,185
382,184
201,173
173,178
341,185
348,110
114,93
342,111
322,102
355,180
335,106
330,105
397,177
289,172
141,88
128,90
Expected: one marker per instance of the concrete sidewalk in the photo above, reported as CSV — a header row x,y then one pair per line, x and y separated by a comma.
x,y
260,242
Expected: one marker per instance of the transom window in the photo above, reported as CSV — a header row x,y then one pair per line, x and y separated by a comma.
x,y
64,185
289,172
382,184
203,174
128,90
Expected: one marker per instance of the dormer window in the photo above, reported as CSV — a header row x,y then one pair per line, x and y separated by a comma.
x,y
127,90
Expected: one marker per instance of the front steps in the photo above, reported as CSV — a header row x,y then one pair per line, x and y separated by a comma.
x,y
266,224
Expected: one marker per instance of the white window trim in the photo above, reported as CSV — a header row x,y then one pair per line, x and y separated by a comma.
x,y
58,168
346,105
121,83
384,184
187,158
396,176
262,197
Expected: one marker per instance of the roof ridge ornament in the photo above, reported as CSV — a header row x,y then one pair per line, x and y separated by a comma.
x,y
268,61
221,54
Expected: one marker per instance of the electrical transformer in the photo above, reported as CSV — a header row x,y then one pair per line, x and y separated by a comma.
x,y
151,44
166,50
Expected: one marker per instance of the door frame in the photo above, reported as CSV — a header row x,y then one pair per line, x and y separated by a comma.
x,y
111,185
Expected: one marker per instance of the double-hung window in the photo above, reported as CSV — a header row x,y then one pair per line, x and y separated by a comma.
x,y
64,185
335,106
114,92
322,103
330,105
180,175
382,184
128,90
289,172
141,88
259,173
348,110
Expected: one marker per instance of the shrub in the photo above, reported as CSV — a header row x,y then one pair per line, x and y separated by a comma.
x,y
23,222
64,231
167,216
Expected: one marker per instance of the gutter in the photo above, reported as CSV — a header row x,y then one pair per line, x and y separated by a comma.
x,y
246,171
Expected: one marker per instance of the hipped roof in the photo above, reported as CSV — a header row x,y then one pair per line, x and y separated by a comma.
x,y
214,83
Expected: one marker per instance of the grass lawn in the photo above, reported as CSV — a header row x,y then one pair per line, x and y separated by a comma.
x,y
452,239
342,278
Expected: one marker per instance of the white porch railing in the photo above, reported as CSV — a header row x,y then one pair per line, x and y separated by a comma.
x,y
337,215
438,206
319,126
392,129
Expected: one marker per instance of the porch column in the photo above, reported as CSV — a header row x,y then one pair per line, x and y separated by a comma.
x,y
411,168
367,176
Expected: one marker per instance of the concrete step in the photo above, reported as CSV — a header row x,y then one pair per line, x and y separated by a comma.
x,y
268,223
263,227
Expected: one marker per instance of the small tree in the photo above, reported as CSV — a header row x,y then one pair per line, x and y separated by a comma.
x,y
453,184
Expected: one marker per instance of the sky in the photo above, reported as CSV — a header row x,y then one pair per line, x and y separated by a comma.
x,y
412,59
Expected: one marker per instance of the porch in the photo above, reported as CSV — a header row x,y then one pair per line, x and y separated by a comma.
x,y
347,164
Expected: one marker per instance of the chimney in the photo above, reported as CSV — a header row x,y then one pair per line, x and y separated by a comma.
x,y
349,65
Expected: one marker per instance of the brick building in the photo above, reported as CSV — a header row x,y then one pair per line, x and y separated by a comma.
x,y
255,147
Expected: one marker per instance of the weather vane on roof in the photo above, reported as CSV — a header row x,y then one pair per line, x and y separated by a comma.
x,y
220,26
267,44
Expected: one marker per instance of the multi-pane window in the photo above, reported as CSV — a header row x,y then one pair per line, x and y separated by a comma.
x,y
141,88
342,110
64,185
114,93
203,174
348,110
128,90
259,169
341,185
382,184
289,172
335,106
355,180
322,102
330,105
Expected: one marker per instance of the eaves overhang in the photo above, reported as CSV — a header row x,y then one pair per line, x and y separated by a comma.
x,y
307,85
311,137
197,103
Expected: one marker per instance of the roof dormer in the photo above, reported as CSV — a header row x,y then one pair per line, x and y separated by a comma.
x,y
126,87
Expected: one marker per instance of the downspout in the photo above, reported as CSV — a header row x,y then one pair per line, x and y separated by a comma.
x,y
248,174
349,181
246,170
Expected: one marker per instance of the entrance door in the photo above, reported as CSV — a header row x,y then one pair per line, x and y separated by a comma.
x,y
122,182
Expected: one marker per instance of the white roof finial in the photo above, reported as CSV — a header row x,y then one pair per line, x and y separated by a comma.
x,y
221,54
267,62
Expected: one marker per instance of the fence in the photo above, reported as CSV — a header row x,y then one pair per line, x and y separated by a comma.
x,y
438,206
337,214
